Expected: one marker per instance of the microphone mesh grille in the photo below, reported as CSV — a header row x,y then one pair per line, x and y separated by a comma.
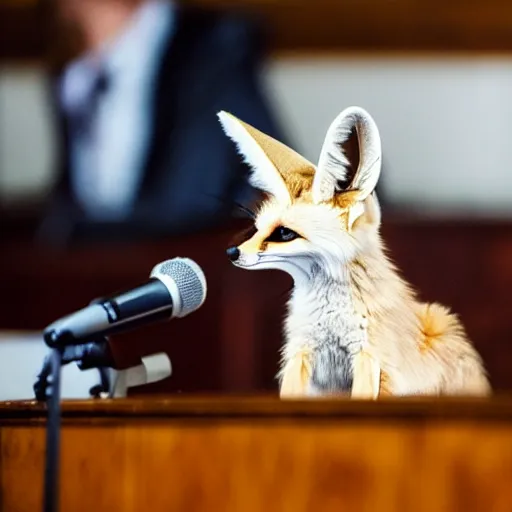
x,y
189,279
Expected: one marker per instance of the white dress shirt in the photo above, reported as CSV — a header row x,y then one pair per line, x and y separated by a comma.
x,y
107,166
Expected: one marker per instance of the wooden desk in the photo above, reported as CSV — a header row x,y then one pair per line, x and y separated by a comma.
x,y
238,454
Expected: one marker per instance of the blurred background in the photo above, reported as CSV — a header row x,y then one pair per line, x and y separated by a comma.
x,y
112,159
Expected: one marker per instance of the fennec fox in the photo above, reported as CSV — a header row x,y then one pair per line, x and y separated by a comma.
x,y
354,327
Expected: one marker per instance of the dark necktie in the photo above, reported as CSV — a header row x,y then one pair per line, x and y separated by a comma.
x,y
82,117
81,120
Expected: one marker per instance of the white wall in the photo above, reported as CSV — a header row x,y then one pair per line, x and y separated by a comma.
x,y
26,141
21,359
446,125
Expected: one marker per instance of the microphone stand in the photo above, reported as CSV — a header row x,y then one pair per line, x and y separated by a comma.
x,y
47,388
51,490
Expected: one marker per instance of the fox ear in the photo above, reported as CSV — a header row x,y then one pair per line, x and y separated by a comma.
x,y
333,173
273,163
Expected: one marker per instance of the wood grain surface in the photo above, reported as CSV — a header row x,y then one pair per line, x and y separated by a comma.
x,y
227,407
258,454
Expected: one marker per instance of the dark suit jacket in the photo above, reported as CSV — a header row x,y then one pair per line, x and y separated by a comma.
x,y
192,173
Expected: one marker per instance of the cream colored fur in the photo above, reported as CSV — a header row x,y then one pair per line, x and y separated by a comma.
x,y
354,327
267,178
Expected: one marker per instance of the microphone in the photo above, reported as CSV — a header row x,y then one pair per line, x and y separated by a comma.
x,y
176,288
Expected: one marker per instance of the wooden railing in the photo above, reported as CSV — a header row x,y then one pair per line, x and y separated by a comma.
x,y
298,26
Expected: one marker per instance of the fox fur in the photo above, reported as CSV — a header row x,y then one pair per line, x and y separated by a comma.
x,y
354,326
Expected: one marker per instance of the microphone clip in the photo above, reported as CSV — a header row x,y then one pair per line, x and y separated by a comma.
x,y
94,354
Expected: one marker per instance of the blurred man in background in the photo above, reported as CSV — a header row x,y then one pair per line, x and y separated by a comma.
x,y
142,150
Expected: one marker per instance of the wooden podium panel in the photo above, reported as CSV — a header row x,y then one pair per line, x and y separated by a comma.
x,y
238,454
232,343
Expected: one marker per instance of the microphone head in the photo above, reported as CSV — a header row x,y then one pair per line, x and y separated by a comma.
x,y
186,283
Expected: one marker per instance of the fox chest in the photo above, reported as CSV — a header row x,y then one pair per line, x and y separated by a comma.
x,y
330,345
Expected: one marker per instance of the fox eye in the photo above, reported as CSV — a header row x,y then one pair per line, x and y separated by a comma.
x,y
282,234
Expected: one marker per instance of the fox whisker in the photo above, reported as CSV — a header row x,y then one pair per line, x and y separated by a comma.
x,y
245,209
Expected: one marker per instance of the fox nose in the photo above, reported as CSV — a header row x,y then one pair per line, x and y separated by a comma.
x,y
233,253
